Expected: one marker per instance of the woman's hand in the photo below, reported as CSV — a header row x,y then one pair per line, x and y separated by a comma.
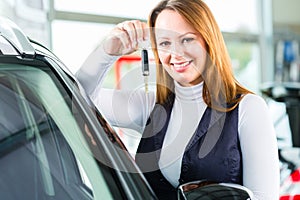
x,y
125,37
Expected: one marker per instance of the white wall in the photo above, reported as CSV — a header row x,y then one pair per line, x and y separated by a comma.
x,y
286,12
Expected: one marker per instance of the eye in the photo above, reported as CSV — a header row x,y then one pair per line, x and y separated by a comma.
x,y
187,40
164,44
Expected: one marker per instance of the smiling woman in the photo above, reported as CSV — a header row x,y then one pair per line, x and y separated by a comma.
x,y
193,78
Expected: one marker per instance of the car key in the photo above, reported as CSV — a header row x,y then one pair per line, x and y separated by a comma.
x,y
145,68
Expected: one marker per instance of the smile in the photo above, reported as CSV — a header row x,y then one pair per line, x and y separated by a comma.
x,y
181,67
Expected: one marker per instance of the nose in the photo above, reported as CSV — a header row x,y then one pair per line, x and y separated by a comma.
x,y
177,50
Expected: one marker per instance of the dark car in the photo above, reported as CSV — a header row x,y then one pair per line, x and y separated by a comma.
x,y
54,143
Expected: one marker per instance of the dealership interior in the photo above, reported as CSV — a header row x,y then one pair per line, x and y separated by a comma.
x,y
262,38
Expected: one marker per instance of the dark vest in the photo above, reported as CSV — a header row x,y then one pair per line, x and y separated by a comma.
x,y
213,153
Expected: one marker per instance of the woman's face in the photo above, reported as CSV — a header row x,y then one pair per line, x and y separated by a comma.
x,y
181,49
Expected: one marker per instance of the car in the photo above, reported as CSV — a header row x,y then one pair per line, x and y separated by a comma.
x,y
54,143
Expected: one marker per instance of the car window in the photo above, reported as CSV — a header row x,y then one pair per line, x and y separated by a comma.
x,y
122,175
44,147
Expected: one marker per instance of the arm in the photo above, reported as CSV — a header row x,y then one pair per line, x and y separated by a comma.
x,y
126,108
259,148
123,39
121,108
93,71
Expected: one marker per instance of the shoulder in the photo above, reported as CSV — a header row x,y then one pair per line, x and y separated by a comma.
x,y
252,100
253,106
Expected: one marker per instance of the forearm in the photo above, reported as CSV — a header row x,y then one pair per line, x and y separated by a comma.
x,y
126,108
93,71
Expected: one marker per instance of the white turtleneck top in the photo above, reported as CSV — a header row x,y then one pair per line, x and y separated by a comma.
x,y
131,109
187,111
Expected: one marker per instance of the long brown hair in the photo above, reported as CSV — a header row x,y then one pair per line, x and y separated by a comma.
x,y
221,90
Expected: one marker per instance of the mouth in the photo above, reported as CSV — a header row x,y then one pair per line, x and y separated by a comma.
x,y
182,66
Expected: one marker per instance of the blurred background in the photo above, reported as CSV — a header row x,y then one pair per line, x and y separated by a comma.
x,y
262,38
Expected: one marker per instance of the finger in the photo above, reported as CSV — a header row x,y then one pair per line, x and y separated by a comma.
x,y
122,34
131,32
138,25
144,36
125,40
145,31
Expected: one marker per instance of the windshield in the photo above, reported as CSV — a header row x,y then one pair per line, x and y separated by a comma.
x,y
44,140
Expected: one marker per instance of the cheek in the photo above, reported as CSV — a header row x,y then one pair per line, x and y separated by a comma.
x,y
196,50
200,54
164,57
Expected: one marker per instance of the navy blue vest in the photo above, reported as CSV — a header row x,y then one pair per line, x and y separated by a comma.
x,y
213,153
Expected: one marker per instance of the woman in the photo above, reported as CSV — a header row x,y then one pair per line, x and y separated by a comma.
x,y
201,123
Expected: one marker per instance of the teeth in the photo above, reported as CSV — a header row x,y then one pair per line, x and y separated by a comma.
x,y
181,65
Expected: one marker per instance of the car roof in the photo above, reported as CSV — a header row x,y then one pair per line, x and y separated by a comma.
x,y
14,42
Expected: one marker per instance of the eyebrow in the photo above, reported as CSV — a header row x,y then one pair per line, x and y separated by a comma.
x,y
187,34
179,36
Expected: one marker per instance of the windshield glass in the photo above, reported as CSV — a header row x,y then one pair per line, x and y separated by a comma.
x,y
44,142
